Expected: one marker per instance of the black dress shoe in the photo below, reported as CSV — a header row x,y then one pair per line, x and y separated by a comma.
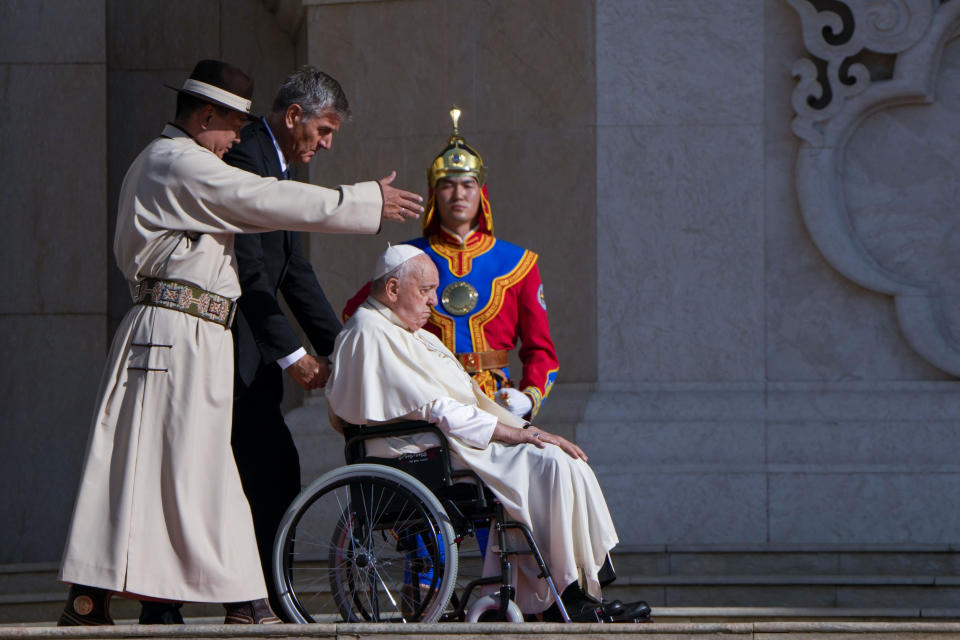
x,y
619,611
612,607
160,612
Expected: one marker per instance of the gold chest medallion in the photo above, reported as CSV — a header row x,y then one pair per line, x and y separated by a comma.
x,y
459,298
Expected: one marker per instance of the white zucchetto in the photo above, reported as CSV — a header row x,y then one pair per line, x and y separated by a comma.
x,y
393,257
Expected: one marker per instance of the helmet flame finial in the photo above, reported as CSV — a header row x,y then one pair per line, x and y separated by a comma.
x,y
455,116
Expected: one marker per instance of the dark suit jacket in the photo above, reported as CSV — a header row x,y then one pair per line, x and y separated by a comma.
x,y
271,263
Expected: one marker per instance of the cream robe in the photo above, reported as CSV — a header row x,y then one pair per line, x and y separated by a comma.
x,y
160,509
383,372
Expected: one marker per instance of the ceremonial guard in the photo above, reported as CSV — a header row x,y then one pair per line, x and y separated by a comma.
x,y
491,294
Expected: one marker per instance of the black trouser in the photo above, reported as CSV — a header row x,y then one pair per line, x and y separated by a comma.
x,y
268,462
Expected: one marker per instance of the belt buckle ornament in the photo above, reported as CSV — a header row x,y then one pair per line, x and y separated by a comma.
x,y
459,298
216,307
167,294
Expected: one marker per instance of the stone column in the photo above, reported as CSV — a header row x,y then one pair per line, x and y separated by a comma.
x,y
53,186
680,183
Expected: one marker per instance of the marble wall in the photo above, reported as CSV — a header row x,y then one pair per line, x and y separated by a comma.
x,y
81,84
679,171
732,383
53,82
769,400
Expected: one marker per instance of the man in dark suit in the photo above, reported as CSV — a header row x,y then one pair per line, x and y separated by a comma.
x,y
307,111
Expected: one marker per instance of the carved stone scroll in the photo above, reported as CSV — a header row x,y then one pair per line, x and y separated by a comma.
x,y
876,175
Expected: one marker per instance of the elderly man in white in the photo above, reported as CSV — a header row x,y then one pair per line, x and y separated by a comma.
x,y
387,368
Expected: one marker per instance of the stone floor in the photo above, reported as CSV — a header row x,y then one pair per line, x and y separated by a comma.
x,y
826,593
758,630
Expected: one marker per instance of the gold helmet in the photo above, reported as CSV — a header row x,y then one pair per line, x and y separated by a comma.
x,y
457,159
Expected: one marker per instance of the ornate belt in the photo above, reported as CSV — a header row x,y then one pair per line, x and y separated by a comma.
x,y
482,360
185,297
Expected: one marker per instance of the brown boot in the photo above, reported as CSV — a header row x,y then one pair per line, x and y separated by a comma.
x,y
86,606
251,612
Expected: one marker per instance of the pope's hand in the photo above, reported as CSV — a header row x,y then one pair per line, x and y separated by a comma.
x,y
398,204
516,402
537,437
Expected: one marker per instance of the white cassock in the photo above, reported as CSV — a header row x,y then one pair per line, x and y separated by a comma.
x,y
384,372
160,509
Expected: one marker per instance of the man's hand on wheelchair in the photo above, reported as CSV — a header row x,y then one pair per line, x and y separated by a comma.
x,y
309,372
537,437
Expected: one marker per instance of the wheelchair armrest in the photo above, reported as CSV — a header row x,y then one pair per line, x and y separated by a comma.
x,y
404,427
357,435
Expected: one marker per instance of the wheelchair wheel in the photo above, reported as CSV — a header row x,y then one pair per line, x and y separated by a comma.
x,y
365,543
487,609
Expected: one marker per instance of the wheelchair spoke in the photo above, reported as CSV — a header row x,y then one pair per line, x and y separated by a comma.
x,y
386,589
368,548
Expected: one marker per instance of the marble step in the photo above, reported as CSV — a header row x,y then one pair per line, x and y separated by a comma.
x,y
905,583
720,560
882,599
940,563
748,630
28,578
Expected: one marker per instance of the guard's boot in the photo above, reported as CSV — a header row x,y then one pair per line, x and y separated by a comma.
x,y
86,606
250,612
160,612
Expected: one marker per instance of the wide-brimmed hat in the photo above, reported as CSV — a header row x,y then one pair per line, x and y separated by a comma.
x,y
220,84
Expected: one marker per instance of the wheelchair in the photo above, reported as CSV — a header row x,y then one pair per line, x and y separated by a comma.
x,y
379,540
